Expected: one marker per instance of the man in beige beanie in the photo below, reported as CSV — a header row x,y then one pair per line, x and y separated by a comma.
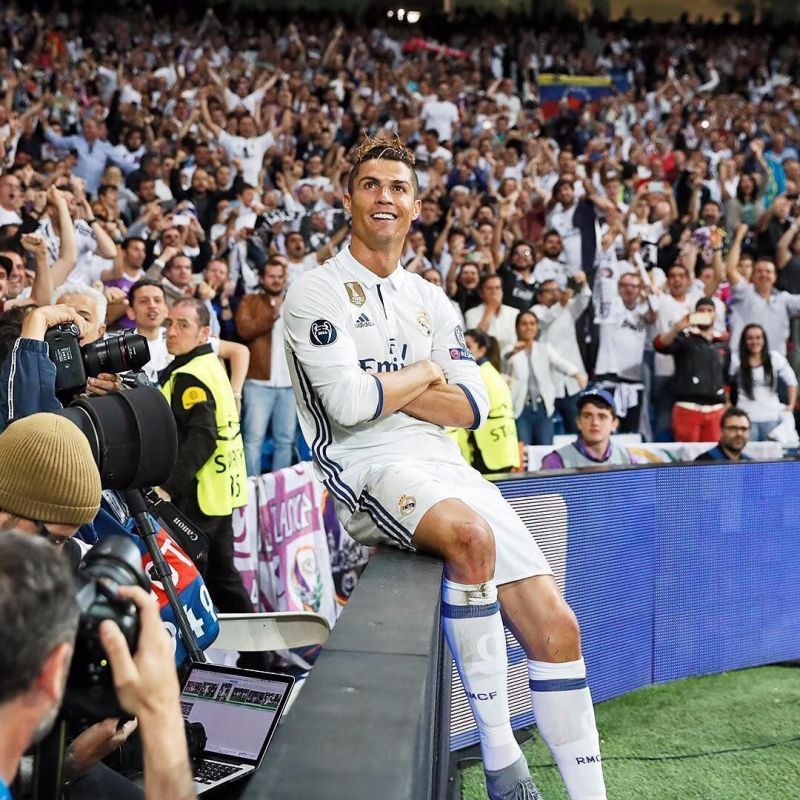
x,y
49,483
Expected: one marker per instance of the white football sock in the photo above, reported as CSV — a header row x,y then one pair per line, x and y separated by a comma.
x,y
565,718
474,631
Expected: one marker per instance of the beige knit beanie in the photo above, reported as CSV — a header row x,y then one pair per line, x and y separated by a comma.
x,y
47,472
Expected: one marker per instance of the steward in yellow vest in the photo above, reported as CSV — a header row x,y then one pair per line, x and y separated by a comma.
x,y
200,394
209,479
494,446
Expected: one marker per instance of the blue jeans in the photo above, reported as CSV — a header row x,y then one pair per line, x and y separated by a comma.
x,y
759,430
535,426
663,401
260,405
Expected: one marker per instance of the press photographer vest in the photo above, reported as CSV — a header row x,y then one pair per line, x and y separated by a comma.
x,y
222,480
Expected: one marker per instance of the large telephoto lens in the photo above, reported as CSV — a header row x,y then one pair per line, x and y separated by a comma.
x,y
129,351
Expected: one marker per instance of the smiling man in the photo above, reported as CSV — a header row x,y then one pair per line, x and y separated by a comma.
x,y
597,420
379,366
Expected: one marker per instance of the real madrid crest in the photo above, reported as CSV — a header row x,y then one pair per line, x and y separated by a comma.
x,y
406,504
355,293
424,322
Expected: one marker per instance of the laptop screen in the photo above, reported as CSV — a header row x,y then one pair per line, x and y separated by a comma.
x,y
238,711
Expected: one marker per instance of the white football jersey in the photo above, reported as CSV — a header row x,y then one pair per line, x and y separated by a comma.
x,y
343,326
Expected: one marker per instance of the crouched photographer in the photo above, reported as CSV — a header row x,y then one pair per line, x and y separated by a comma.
x,y
39,617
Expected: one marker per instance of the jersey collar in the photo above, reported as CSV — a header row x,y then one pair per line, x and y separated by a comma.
x,y
367,276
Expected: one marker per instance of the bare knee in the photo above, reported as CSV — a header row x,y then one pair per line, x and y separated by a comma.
x,y
561,638
470,552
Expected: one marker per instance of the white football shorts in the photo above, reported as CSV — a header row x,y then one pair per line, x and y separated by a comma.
x,y
396,497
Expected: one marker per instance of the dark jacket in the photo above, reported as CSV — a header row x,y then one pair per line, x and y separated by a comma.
x,y
700,368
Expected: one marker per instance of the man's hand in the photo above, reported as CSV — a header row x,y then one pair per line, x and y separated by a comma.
x,y
97,741
146,682
204,292
37,322
437,374
103,384
33,243
115,295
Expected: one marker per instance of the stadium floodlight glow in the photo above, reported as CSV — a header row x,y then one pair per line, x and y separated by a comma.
x,y
412,17
401,12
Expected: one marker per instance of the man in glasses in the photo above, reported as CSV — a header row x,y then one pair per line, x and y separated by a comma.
x,y
734,436
517,276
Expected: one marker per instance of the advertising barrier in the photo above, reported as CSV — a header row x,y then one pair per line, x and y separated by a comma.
x,y
671,570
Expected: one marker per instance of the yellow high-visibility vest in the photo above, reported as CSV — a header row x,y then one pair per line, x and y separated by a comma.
x,y
222,480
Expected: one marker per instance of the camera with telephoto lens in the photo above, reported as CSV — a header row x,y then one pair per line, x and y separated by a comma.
x,y
113,562
76,364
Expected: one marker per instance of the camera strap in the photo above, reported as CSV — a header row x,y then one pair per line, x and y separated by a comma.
x,y
188,536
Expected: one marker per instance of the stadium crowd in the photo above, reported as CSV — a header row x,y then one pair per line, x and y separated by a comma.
x,y
645,241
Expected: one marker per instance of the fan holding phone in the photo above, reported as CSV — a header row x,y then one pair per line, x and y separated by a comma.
x,y
701,366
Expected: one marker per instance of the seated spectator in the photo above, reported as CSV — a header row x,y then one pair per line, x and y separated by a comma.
x,y
701,367
757,370
494,446
734,436
492,316
531,366
594,447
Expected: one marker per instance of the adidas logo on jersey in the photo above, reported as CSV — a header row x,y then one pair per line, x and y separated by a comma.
x,y
364,321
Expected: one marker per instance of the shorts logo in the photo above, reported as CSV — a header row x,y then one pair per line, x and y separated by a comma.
x,y
322,333
355,293
364,321
424,322
405,505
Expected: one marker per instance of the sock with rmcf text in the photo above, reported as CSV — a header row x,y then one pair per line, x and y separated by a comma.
x,y
564,715
474,632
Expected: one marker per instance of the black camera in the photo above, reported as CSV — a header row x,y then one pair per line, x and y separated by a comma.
x,y
114,562
76,364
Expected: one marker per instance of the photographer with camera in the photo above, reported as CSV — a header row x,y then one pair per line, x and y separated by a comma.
x,y
39,618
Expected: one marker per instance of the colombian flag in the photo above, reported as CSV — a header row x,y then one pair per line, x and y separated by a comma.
x,y
578,89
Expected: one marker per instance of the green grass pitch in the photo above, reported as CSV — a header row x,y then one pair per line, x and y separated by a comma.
x,y
734,736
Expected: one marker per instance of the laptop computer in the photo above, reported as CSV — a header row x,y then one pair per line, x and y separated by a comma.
x,y
240,710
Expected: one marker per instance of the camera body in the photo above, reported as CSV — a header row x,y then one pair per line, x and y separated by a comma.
x,y
111,563
75,364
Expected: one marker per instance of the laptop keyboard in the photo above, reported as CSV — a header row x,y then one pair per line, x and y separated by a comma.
x,y
213,771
